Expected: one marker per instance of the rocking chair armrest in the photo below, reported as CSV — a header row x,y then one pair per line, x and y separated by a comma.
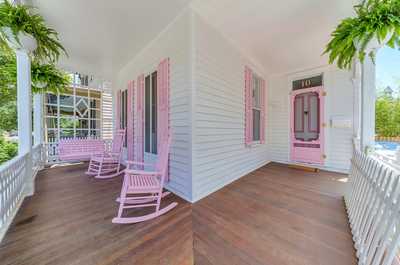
x,y
131,162
98,154
104,153
113,153
142,172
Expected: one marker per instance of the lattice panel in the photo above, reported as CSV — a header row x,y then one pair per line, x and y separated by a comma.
x,y
12,182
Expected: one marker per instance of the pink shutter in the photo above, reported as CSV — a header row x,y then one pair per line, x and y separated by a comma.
x,y
118,111
139,126
129,129
163,104
248,98
263,110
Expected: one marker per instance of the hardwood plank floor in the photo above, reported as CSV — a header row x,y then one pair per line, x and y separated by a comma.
x,y
274,215
68,221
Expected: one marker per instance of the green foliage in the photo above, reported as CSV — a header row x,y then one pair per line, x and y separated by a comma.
x,y
387,116
8,74
8,116
66,123
21,18
24,19
55,79
7,149
375,18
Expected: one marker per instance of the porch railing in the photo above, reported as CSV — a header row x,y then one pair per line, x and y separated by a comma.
x,y
390,159
373,207
14,177
37,159
395,139
51,152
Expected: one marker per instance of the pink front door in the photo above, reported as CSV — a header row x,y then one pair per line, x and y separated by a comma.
x,y
306,126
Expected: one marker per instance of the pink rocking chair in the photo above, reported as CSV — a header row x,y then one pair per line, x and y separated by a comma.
x,y
146,188
107,164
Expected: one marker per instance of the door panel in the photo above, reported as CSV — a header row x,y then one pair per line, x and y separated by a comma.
x,y
307,138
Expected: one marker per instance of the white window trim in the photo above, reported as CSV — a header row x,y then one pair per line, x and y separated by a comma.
x,y
149,74
256,78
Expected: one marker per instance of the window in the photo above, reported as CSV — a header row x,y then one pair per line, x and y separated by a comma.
x,y
74,113
254,95
150,113
256,106
306,116
124,112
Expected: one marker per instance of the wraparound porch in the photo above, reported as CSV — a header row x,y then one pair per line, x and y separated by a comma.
x,y
274,215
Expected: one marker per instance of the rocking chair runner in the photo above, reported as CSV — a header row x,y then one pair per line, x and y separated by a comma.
x,y
107,164
146,188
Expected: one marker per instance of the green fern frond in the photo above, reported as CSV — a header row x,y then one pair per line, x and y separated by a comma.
x,y
375,18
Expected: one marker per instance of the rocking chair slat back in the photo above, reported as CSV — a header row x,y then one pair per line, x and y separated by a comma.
x,y
162,163
142,188
118,141
108,164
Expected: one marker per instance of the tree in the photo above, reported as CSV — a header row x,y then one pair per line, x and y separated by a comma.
x,y
8,116
55,80
7,149
387,116
16,19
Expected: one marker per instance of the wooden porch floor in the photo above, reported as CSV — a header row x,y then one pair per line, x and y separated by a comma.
x,y
274,216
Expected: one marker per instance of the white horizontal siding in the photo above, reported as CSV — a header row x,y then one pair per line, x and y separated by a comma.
x,y
339,103
207,108
278,119
174,42
219,153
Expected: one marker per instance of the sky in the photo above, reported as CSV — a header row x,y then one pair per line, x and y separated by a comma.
x,y
388,68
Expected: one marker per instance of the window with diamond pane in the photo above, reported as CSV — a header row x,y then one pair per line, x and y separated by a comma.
x,y
75,113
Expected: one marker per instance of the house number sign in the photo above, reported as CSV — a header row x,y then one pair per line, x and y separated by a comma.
x,y
308,82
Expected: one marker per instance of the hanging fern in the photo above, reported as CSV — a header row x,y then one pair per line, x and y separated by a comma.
x,y
375,18
21,18
54,79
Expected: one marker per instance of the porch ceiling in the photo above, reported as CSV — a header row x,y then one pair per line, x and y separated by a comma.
x,y
282,36
101,36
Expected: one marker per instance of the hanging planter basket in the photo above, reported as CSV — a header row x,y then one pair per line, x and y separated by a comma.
x,y
376,24
22,41
23,28
39,84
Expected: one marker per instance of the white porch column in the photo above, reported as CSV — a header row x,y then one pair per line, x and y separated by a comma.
x,y
24,104
38,118
24,107
368,94
356,79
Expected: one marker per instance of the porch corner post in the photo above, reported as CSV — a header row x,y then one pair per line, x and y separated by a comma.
x,y
368,94
38,118
24,110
